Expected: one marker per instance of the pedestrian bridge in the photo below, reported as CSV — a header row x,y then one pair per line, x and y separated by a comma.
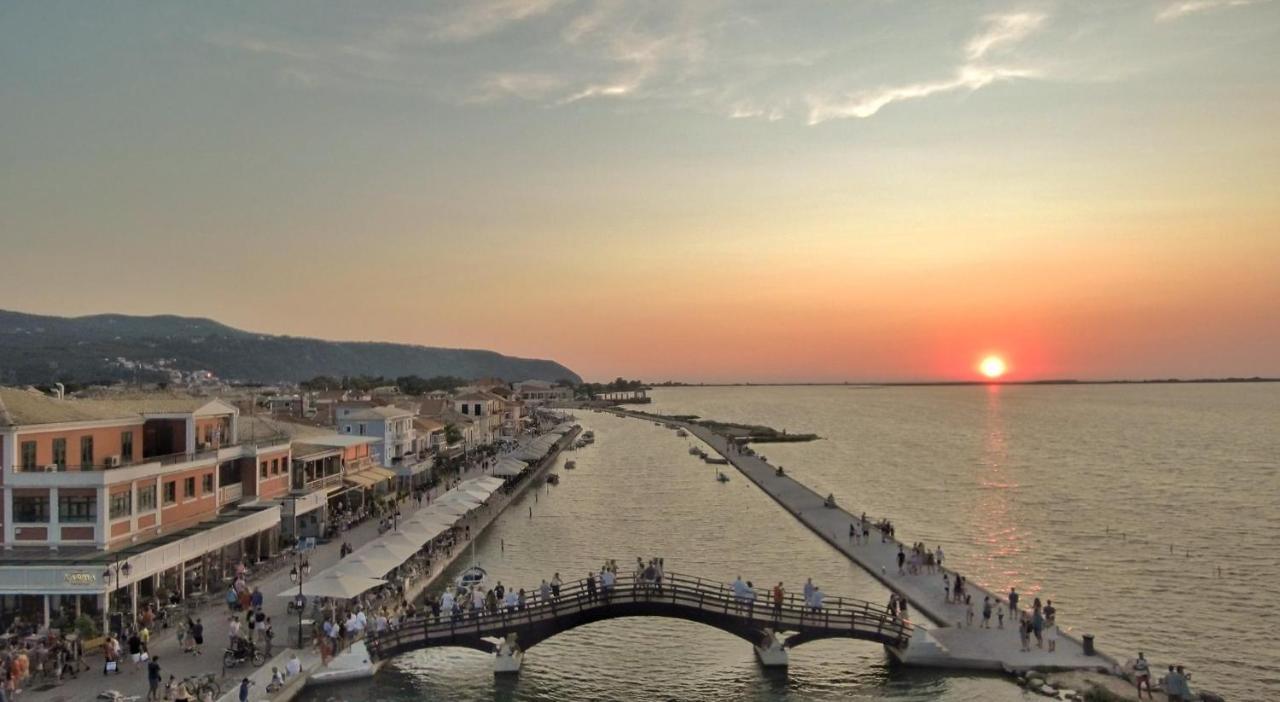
x,y
680,597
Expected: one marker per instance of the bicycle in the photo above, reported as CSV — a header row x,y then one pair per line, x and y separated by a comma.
x,y
199,684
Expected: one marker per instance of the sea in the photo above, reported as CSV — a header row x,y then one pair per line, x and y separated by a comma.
x,y
1147,513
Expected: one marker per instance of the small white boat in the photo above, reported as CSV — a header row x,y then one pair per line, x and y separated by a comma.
x,y
694,450
352,664
475,575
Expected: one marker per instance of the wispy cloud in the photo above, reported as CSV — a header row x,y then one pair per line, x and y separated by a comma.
x,y
1178,10
866,104
525,86
1003,30
1000,33
481,17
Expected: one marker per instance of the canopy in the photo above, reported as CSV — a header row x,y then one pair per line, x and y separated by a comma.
x,y
510,466
451,507
461,496
438,515
334,584
381,550
367,565
489,481
401,541
425,531
475,491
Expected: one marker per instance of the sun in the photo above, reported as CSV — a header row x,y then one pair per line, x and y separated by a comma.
x,y
992,366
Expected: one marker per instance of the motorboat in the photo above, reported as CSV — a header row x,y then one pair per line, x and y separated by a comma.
x,y
554,479
694,450
570,465
722,477
472,576
352,664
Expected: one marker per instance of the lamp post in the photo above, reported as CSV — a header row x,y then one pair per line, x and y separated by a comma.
x,y
297,573
119,568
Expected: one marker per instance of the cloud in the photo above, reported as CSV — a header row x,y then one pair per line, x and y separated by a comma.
x,y
866,104
1003,30
481,17
524,86
1181,9
1000,33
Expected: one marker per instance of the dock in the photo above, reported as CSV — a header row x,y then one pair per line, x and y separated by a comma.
x,y
944,641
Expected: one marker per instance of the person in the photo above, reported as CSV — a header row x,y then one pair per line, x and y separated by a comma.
x,y
815,600
244,689
197,635
153,679
1037,626
255,600
968,614
277,680
267,635
1051,632
1024,632
233,631
1000,617
182,636
986,612
181,693
902,557
740,592
1013,601
937,557
808,590
1177,685
294,666
591,586
778,596
135,648
555,586
1142,675
544,591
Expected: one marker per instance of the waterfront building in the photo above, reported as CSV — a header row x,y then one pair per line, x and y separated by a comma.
x,y
106,502
391,425
540,392
484,410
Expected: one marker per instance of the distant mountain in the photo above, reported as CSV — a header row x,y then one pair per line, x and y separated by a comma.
x,y
40,349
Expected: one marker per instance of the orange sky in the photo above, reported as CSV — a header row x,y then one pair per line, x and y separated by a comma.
x,y
828,192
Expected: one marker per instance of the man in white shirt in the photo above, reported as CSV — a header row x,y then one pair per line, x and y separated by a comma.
x,y
740,592
446,604
294,666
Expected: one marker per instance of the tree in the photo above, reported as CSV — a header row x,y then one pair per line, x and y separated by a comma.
x,y
452,434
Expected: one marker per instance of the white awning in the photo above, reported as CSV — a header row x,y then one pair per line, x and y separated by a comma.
x,y
333,584
367,565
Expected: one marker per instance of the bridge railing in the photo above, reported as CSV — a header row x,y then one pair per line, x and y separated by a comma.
x,y
759,610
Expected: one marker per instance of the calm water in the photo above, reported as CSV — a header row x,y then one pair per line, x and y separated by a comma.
x,y
1019,484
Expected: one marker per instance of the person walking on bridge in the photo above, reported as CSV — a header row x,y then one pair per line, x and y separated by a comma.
x,y
555,586
902,558
778,595
591,586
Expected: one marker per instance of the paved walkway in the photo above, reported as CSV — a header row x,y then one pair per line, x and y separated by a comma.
x,y
948,643
164,643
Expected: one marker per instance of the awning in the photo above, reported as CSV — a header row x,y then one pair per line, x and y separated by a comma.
x,y
361,480
381,473
332,584
366,565
509,467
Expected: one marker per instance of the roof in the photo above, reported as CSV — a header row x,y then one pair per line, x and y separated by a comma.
x,y
427,424
433,407
534,384
19,407
303,450
374,413
477,395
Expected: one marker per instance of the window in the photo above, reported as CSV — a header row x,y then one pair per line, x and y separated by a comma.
x,y
275,466
121,505
466,408
170,492
77,509
208,483
361,429
188,488
86,452
262,470
28,455
146,498
477,409
60,453
30,509
126,447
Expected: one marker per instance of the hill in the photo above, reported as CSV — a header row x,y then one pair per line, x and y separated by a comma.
x,y
42,349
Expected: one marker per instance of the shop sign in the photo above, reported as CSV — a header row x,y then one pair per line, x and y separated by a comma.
x,y
79,578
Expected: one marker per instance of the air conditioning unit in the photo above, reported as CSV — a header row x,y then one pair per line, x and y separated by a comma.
x,y
113,461
51,468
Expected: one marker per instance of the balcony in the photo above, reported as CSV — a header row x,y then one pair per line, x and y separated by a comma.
x,y
321,483
230,493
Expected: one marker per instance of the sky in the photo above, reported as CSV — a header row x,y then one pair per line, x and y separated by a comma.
x,y
818,190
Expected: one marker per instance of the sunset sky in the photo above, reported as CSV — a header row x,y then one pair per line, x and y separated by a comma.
x,y
708,190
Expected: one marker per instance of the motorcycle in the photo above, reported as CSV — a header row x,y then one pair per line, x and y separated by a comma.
x,y
244,650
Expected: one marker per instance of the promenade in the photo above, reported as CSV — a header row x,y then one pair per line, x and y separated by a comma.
x,y
943,640
164,644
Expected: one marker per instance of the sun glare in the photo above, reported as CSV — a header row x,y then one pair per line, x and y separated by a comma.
x,y
992,366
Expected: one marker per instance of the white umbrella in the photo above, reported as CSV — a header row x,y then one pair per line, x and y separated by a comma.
x,y
455,508
476,492
425,532
367,565
491,482
333,584
384,551
509,467
402,542
461,497
431,514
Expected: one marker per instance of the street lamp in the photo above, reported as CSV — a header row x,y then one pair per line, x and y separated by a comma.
x,y
118,570
300,570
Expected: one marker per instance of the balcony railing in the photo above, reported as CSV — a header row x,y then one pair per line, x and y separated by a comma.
x,y
321,483
166,459
230,493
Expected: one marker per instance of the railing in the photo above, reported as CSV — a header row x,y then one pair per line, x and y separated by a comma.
x,y
230,493
836,617
323,482
166,459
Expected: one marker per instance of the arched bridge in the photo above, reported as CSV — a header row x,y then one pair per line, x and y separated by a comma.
x,y
693,599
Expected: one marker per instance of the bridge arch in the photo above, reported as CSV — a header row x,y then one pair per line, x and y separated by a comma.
x,y
691,599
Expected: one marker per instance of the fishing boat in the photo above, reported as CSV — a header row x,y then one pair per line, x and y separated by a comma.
x,y
352,664
570,465
681,433
473,576
722,477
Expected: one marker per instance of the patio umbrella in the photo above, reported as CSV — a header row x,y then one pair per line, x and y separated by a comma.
x,y
383,551
453,507
334,584
423,533
402,542
366,565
